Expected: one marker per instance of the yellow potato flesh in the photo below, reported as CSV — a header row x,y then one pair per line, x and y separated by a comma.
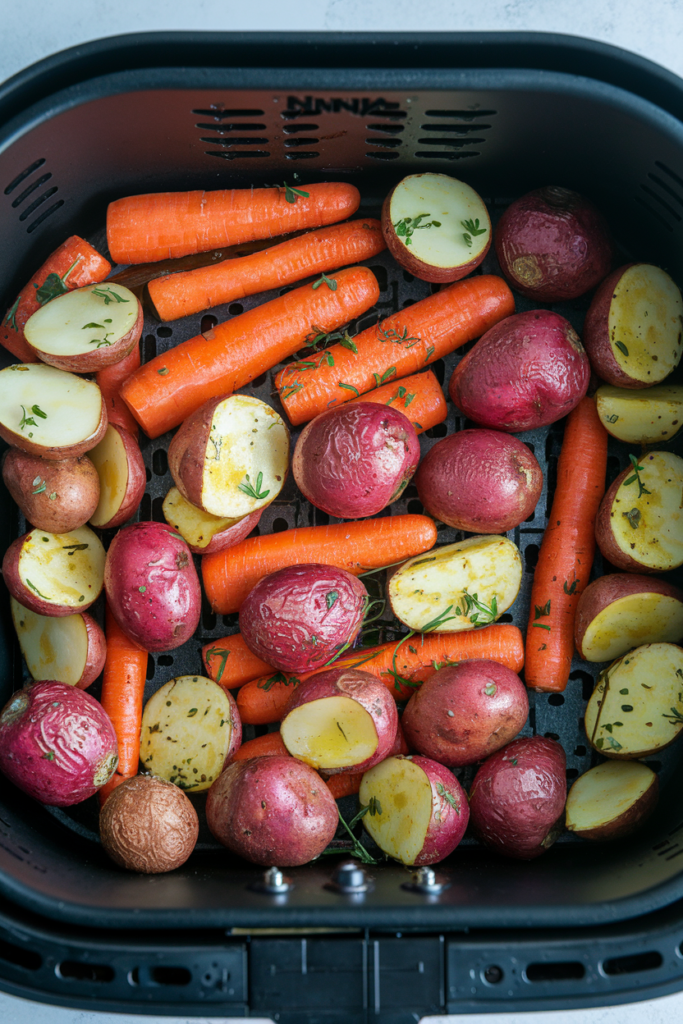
x,y
193,524
641,417
332,732
54,648
657,539
449,202
65,568
402,804
645,323
605,793
111,463
83,320
72,407
631,621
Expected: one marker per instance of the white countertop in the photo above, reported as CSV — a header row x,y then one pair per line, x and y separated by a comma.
x,y
34,29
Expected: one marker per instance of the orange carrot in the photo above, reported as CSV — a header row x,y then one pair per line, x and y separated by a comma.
x,y
73,265
357,546
123,687
264,700
159,225
419,397
109,787
165,391
344,784
229,661
110,380
567,549
402,344
329,249
262,746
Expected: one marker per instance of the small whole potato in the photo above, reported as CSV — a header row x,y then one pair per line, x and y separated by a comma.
x,y
148,825
57,496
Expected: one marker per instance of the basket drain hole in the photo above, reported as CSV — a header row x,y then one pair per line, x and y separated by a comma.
x,y
634,963
565,971
76,970
19,956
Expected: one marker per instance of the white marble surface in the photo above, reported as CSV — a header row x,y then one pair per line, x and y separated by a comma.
x,y
35,28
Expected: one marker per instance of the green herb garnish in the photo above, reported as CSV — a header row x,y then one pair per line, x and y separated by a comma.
x,y
218,652
53,286
442,791
385,376
570,589
11,318
472,602
247,488
291,193
471,229
349,387
28,421
331,597
406,227
324,279
622,348
542,611
393,336
108,295
633,517
637,470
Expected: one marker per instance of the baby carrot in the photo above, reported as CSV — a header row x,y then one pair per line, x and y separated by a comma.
x,y
344,784
262,746
165,391
229,661
419,397
159,225
402,344
264,700
357,546
567,549
109,381
73,265
328,249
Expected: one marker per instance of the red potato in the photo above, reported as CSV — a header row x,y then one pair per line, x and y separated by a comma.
x,y
340,720
272,810
612,800
417,810
204,533
526,372
353,461
517,798
553,244
482,481
297,619
121,470
152,586
54,496
57,743
55,573
464,713
623,610
69,649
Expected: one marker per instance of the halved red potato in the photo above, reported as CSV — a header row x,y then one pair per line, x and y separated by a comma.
x,y
55,573
417,811
231,456
71,649
637,706
50,413
611,800
639,526
53,495
623,610
641,417
121,469
86,329
633,332
458,586
204,533
340,720
436,227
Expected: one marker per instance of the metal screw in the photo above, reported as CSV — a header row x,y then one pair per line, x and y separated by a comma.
x,y
273,882
349,877
425,880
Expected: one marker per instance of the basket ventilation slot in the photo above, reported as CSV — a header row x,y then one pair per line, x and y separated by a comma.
x,y
452,140
227,141
27,212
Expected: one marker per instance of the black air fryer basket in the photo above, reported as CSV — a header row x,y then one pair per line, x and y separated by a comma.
x,y
583,925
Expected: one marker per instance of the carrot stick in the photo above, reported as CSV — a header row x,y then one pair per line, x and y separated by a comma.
x,y
262,746
419,397
357,546
123,687
328,249
402,344
165,391
264,700
159,225
567,549
110,380
229,661
74,264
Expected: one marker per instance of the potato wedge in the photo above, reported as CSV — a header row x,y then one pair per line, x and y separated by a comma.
x,y
203,532
611,800
624,610
55,573
641,417
458,586
637,706
121,469
190,729
57,496
71,649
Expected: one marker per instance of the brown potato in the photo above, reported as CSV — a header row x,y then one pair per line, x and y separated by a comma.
x,y
623,610
54,496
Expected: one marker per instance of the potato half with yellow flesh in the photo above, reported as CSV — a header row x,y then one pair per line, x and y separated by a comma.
x,y
69,649
637,706
611,800
121,470
204,533
55,573
641,417
621,611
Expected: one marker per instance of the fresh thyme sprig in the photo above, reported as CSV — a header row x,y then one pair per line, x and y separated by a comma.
x,y
406,227
637,470
324,279
291,193
471,230
249,489
53,286
28,421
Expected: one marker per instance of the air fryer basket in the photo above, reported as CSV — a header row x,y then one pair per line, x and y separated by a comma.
x,y
504,129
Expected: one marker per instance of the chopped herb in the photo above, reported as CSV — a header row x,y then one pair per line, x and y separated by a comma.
x,y
405,227
50,756
108,295
349,387
28,421
291,193
385,376
570,589
86,326
342,732
278,677
142,589
622,348
349,343
291,389
53,286
408,400
471,228
374,806
331,597
52,496
40,489
624,691
192,712
430,353
636,476
218,652
472,601
675,716
439,620
541,612
442,791
612,419
73,548
391,334
35,589
247,488
163,371
324,279
490,690
625,707
541,625
11,318
633,517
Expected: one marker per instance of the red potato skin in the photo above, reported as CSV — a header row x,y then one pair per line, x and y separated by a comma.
x,y
603,532
370,692
632,818
553,244
286,621
230,536
272,810
482,481
110,380
165,612
137,480
98,358
187,449
74,481
603,592
453,719
69,451
596,335
448,823
526,372
97,653
15,585
50,718
353,461
517,798
236,724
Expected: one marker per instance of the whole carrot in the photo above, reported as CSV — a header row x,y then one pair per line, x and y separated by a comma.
x,y
73,265
567,549
262,746
402,344
357,546
420,397
109,382
264,700
327,249
344,784
165,391
229,661
163,225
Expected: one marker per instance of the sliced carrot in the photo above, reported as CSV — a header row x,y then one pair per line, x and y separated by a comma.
x,y
262,746
229,661
165,391
357,546
73,265
264,700
567,549
325,250
419,397
110,380
123,688
159,225
402,344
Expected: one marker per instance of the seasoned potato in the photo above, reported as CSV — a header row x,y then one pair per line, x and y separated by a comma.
x,y
611,800
69,648
120,467
641,417
203,532
624,610
55,573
